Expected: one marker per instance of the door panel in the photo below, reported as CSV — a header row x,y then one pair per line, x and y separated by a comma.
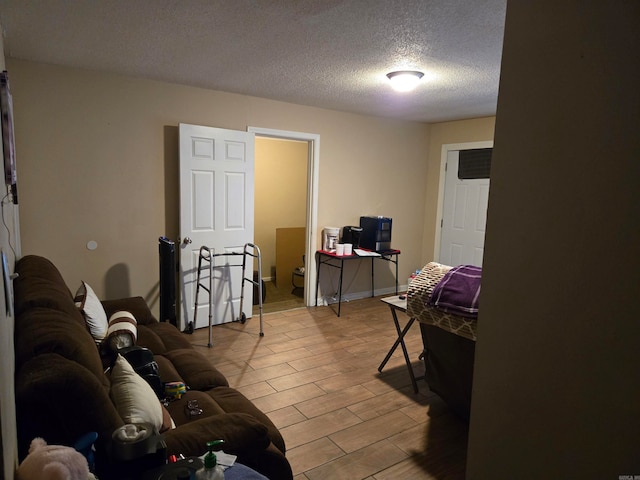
x,y
216,210
235,186
202,198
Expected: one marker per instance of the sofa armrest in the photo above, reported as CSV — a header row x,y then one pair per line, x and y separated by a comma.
x,y
60,400
270,462
136,305
244,436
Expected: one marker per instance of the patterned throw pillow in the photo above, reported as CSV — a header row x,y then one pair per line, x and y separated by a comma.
x,y
122,331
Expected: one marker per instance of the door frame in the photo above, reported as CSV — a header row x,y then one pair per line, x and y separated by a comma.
x,y
444,153
313,167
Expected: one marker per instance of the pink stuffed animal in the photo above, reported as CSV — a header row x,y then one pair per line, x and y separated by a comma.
x,y
53,462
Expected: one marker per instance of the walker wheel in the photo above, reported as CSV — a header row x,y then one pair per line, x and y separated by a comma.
x,y
243,318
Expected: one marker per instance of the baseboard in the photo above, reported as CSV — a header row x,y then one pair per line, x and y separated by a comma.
x,y
325,300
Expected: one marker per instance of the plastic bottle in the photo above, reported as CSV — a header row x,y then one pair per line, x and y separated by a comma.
x,y
412,277
211,470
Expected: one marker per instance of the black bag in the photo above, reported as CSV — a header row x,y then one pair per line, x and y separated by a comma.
x,y
141,359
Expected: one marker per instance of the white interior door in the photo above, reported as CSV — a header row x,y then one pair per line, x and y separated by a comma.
x,y
216,210
464,217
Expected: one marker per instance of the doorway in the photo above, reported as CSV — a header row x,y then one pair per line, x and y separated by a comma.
x,y
300,228
280,219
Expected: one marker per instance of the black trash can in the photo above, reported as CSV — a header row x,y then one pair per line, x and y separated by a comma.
x,y
167,252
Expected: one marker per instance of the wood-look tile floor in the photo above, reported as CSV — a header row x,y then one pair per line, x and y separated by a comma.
x,y
316,376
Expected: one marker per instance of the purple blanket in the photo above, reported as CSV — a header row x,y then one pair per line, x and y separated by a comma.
x,y
458,291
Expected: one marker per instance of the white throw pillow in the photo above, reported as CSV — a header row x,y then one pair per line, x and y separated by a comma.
x,y
134,399
93,311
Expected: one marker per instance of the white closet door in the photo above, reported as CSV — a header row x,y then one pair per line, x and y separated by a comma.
x,y
216,210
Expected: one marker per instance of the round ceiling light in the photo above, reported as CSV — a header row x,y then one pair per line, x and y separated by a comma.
x,y
404,80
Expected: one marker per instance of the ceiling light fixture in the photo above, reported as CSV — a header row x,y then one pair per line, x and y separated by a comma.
x,y
404,80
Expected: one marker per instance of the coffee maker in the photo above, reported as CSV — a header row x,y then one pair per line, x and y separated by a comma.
x,y
351,234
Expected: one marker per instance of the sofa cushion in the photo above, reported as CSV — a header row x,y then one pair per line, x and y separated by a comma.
x,y
170,335
134,399
60,400
39,284
91,307
160,337
181,414
149,339
168,372
136,305
43,330
196,369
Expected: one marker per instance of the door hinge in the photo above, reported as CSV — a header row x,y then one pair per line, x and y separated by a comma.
x,y
441,222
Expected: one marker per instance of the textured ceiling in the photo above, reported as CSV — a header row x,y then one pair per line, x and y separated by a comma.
x,y
325,53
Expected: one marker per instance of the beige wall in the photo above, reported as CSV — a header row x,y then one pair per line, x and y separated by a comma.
x,y
97,160
462,131
556,386
280,193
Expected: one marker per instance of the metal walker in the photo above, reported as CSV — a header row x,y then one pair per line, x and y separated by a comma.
x,y
205,255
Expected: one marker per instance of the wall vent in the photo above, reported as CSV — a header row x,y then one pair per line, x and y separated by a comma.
x,y
474,164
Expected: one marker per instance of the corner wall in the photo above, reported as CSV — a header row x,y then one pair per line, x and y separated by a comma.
x,y
556,386
10,245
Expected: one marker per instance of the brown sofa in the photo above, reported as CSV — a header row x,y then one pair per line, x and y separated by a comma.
x,y
62,391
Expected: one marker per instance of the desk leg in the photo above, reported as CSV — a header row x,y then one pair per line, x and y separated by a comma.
x,y
396,274
372,277
318,263
400,341
340,286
